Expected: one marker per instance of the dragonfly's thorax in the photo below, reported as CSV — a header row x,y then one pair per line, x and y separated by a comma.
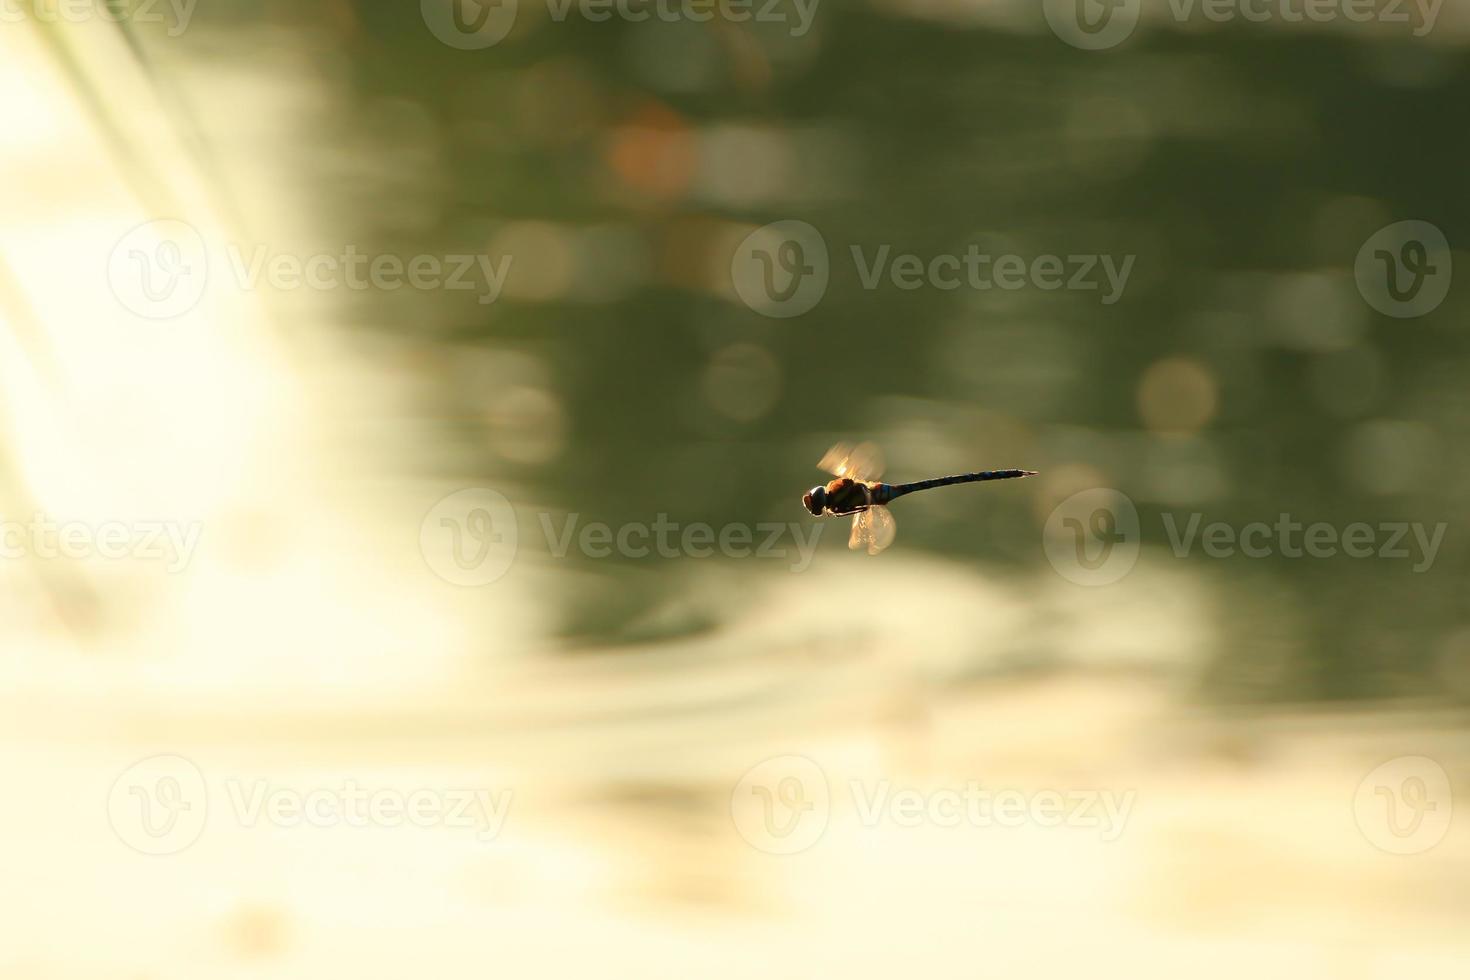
x,y
844,496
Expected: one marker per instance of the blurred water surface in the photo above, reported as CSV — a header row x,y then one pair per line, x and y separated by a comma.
x,y
1240,375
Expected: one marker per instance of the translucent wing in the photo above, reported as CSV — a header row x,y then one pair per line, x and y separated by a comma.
x,y
860,462
872,529
880,528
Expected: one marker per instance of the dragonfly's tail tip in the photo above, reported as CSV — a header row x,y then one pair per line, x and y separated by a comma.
x,y
1028,472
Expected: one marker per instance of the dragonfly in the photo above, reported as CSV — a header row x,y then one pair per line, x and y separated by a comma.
x,y
857,491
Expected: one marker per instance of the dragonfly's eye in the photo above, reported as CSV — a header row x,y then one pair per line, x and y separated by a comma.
x,y
814,500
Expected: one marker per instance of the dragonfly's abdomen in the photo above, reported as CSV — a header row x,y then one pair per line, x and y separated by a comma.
x,y
889,492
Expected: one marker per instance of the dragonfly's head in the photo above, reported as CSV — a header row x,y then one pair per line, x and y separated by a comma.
x,y
814,500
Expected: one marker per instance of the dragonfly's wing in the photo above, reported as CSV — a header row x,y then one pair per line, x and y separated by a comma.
x,y
872,529
880,528
856,462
